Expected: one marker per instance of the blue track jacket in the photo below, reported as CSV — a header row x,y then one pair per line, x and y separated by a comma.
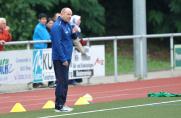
x,y
62,44
40,33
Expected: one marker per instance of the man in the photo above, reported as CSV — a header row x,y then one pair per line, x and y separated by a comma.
x,y
5,36
62,46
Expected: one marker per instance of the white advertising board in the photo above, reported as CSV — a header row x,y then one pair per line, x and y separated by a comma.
x,y
36,65
15,67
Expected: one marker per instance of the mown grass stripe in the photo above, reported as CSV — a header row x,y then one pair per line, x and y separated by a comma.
x,y
116,108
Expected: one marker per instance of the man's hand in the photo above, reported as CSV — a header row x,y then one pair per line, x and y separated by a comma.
x,y
74,30
2,42
65,63
7,28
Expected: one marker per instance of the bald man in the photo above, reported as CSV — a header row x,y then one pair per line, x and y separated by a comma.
x,y
62,46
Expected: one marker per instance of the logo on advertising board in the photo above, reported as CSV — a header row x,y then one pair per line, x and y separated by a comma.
x,y
48,71
23,68
83,73
177,56
37,65
5,66
99,61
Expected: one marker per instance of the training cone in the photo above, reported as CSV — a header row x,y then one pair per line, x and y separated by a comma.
x,y
88,97
18,107
81,101
48,105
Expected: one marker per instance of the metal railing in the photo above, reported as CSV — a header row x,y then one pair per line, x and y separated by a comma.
x,y
114,39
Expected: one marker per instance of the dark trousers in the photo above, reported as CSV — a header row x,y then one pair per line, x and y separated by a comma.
x,y
61,74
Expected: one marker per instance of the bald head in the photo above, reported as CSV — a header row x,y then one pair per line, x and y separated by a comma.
x,y
66,14
66,9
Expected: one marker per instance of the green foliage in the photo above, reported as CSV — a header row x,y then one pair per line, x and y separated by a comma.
x,y
175,6
118,16
156,17
21,15
92,14
164,19
47,4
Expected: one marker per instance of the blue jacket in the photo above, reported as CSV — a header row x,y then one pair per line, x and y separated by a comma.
x,y
40,33
62,44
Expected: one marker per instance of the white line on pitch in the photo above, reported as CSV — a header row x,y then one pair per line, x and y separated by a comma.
x,y
116,108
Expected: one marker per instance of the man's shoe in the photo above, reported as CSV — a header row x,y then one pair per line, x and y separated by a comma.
x,y
64,109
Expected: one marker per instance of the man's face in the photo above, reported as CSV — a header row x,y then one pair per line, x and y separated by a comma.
x,y
66,15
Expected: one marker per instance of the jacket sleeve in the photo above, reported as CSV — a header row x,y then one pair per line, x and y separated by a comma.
x,y
57,37
7,35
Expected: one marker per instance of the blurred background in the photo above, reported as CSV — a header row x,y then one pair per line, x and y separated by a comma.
x,y
102,18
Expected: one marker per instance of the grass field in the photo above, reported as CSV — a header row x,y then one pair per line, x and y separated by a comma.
x,y
126,64
135,108
158,57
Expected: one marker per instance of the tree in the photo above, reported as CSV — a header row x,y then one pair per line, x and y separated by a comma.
x,y
92,13
164,16
21,15
118,17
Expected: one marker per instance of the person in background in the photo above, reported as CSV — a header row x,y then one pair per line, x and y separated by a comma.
x,y
56,15
5,35
49,25
40,33
78,42
62,35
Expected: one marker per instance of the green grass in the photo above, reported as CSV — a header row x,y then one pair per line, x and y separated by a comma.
x,y
126,64
158,64
168,110
157,59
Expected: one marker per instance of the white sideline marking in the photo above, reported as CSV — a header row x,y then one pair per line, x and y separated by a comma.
x,y
116,108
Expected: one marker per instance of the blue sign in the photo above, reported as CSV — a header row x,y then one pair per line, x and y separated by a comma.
x,y
5,66
37,65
